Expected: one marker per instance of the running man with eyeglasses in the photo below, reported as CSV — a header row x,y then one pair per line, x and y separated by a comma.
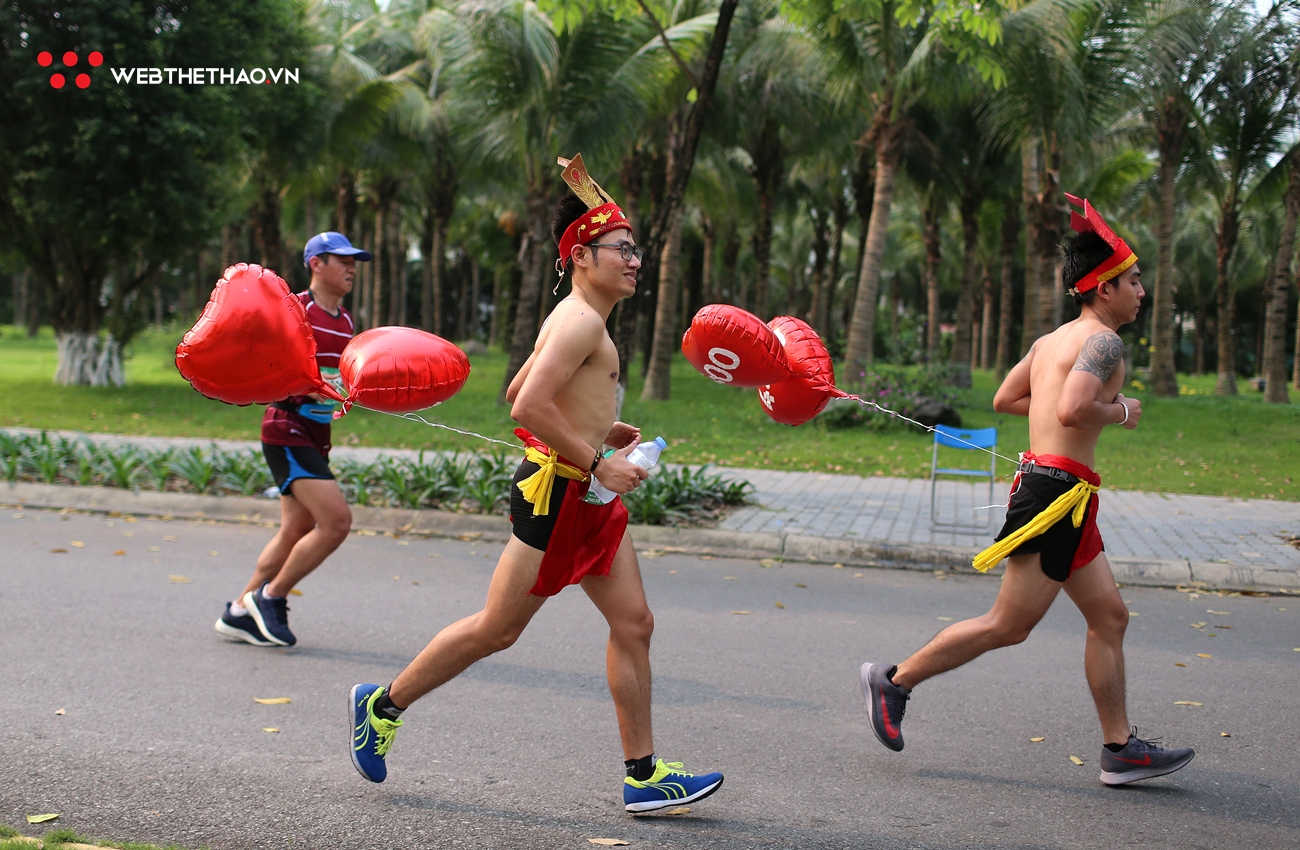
x,y
564,398
1068,385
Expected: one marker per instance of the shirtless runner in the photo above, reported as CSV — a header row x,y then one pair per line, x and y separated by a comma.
x,y
564,396
1068,385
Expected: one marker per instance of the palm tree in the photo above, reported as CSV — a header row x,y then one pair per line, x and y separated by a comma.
x,y
1177,41
1273,368
1250,105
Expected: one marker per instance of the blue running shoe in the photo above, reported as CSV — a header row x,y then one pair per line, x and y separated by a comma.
x,y
668,786
241,628
271,615
371,736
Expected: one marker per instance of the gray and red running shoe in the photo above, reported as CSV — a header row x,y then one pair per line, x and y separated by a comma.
x,y
1141,760
886,703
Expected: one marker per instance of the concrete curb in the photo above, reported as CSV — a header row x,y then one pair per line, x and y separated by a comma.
x,y
717,542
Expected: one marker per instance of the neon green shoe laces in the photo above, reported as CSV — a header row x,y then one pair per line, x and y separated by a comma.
x,y
384,730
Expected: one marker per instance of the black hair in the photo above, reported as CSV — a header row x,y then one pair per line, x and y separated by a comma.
x,y
567,211
1081,253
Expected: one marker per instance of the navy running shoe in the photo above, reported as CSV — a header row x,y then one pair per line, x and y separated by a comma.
x,y
271,614
241,628
1141,760
668,786
372,736
886,703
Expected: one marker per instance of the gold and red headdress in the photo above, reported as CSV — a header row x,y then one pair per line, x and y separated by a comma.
x,y
602,216
1092,222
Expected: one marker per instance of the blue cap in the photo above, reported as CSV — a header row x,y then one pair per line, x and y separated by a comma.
x,y
332,242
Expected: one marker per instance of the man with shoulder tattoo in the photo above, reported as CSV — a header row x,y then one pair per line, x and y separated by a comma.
x,y
564,397
1068,385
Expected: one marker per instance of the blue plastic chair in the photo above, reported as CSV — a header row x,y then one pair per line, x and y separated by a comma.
x,y
968,440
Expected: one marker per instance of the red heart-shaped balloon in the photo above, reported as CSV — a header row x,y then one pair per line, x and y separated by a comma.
x,y
400,370
253,344
731,346
795,401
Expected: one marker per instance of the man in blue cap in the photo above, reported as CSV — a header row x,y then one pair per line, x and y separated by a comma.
x,y
314,517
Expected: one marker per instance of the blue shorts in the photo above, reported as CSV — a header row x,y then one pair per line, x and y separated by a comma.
x,y
289,463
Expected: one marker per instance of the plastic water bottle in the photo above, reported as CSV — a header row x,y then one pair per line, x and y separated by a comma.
x,y
646,455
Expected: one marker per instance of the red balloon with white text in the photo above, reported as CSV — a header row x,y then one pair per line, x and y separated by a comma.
x,y
733,347
799,399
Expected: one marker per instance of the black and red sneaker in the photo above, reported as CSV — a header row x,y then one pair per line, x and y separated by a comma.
x,y
1141,760
886,703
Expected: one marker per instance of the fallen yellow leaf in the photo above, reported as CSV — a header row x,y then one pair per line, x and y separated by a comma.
x,y
61,712
680,810
180,579
65,551
1038,740
1134,614
470,535
1203,655
295,592
945,619
740,612
730,578
779,605
1179,664
650,553
800,584
608,842
152,549
42,818
1188,702
837,566
1076,760
270,729
365,532
213,554
120,552
272,700
705,558
1224,735
170,538
78,544
767,562
1212,611
857,575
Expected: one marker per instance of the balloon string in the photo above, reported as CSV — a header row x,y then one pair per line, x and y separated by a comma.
x,y
930,428
415,417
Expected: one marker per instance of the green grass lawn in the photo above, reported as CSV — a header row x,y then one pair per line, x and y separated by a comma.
x,y
1197,443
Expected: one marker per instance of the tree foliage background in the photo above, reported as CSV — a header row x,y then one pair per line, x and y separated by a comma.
x,y
893,171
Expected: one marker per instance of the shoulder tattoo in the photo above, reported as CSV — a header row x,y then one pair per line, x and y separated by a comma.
x,y
1101,355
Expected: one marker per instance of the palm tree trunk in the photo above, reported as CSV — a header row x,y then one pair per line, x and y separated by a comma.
x,y
707,276
229,246
1274,369
658,383
1225,243
821,248
1202,331
1164,378
964,340
930,235
379,274
1030,330
475,295
986,319
427,320
862,329
345,207
530,288
1010,240
397,268
1050,295
823,321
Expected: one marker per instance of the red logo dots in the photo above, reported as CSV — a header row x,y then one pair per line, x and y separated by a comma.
x,y
70,59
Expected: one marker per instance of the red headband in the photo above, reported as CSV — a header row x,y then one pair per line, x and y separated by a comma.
x,y
591,224
1092,222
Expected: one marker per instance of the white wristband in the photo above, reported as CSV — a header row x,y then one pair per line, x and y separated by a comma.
x,y
1125,406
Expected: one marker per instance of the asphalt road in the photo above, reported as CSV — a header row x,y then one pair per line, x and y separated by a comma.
x,y
161,739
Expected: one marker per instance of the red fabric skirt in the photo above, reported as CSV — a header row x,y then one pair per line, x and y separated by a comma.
x,y
585,537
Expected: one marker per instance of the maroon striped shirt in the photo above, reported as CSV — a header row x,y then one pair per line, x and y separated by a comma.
x,y
332,332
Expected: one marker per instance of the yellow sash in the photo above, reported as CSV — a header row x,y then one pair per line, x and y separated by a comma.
x,y
1075,499
536,488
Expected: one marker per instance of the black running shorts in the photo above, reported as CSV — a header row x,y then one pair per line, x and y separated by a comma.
x,y
535,530
289,463
1059,543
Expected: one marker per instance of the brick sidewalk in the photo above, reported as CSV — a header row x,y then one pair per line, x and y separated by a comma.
x,y
1235,533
